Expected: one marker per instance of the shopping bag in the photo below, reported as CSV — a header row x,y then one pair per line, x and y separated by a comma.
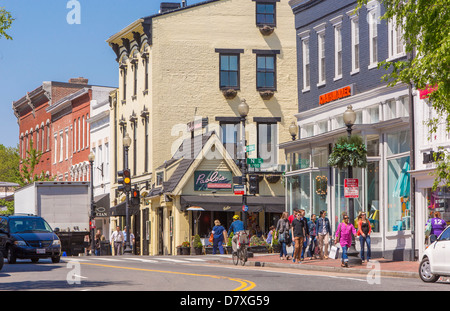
x,y
334,252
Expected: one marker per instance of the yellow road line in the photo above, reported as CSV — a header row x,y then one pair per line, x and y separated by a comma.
x,y
245,284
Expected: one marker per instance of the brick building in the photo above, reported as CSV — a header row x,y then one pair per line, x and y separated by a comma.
x,y
71,131
35,121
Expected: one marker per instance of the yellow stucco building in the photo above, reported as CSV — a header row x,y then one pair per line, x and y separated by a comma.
x,y
182,74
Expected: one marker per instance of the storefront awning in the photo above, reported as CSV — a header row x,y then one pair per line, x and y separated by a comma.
x,y
102,205
234,203
120,210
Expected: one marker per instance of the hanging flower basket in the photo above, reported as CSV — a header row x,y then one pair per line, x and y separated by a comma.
x,y
266,30
348,152
321,186
229,93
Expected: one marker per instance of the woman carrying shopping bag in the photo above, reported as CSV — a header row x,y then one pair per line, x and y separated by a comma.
x,y
344,237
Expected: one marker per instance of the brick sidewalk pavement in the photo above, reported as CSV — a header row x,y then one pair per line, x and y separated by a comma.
x,y
387,268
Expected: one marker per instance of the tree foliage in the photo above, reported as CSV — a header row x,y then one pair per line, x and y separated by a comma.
x,y
5,23
9,163
27,173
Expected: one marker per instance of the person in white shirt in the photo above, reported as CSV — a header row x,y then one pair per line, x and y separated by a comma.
x,y
132,239
117,238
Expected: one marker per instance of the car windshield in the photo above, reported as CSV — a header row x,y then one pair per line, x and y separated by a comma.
x,y
24,225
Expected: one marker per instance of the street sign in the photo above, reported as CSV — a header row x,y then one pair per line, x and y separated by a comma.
x,y
255,161
255,165
250,148
239,189
351,188
245,208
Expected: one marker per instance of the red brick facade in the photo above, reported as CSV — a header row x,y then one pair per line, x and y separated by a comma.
x,y
35,122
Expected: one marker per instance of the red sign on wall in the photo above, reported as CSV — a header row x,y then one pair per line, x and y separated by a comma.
x,y
351,188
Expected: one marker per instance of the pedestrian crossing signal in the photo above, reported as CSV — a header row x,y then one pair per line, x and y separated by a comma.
x,y
135,197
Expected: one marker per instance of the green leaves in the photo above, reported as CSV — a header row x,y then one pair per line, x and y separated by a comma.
x,y
348,152
5,23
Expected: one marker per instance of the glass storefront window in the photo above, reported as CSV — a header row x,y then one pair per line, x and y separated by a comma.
x,y
438,201
372,192
340,201
308,130
298,192
398,205
397,142
373,145
299,160
373,114
320,192
320,157
322,126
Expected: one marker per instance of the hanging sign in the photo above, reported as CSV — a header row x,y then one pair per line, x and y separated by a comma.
x,y
212,180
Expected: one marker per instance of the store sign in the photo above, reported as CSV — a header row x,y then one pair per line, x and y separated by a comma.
x,y
212,180
351,188
335,95
239,189
426,92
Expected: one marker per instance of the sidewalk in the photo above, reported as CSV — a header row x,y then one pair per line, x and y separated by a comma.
x,y
407,269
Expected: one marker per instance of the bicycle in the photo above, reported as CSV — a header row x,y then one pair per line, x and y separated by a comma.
x,y
241,254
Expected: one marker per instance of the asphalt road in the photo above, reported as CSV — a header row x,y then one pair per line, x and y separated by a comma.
x,y
191,274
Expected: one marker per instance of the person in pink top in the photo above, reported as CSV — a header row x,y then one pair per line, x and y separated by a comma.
x,y
344,237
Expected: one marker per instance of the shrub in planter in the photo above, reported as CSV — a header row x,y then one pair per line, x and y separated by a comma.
x,y
198,246
185,248
348,152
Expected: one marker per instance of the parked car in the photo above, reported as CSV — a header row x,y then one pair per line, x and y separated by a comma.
x,y
436,259
28,237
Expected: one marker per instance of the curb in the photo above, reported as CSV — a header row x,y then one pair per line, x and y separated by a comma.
x,y
403,274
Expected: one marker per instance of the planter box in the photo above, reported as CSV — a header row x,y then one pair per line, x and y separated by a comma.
x,y
198,251
208,250
185,251
179,251
258,249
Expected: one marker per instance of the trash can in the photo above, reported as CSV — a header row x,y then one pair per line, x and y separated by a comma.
x,y
105,248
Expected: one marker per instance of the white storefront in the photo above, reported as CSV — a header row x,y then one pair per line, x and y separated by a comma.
x,y
428,143
383,122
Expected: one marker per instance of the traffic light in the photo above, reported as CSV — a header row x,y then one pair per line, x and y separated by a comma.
x,y
124,181
135,197
253,181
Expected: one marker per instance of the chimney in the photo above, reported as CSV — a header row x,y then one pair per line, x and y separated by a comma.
x,y
168,6
79,80
184,3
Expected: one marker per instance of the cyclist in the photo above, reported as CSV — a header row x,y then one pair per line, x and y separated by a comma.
x,y
237,227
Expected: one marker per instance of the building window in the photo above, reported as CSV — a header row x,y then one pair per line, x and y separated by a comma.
x,y
373,39
55,148
338,53
159,178
61,147
265,72
396,44
229,71
67,144
267,144
229,135
354,22
306,67
321,57
265,14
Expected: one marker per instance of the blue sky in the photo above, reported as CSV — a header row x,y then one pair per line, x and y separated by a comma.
x,y
45,47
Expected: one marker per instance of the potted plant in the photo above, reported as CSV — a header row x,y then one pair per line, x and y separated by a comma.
x,y
348,151
198,246
266,95
275,245
266,30
257,245
229,243
185,248
229,93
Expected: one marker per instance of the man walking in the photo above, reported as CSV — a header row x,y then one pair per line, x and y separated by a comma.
x,y
117,239
299,232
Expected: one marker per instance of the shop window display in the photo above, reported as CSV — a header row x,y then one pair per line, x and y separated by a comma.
x,y
340,201
399,213
438,201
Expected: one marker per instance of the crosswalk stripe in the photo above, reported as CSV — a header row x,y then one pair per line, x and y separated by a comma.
x,y
106,259
143,260
172,260
194,259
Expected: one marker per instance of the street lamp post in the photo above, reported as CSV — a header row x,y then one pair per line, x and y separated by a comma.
x,y
243,110
91,158
126,146
349,120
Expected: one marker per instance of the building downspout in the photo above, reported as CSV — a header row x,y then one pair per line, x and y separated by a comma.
x,y
412,162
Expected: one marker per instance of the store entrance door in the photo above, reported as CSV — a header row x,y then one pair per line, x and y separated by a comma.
x,y
160,231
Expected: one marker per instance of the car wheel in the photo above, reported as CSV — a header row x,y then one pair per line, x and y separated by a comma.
x,y
56,259
425,271
11,256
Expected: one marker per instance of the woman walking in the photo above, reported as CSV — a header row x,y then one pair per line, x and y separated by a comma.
x,y
323,231
282,233
219,234
437,224
344,237
364,230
